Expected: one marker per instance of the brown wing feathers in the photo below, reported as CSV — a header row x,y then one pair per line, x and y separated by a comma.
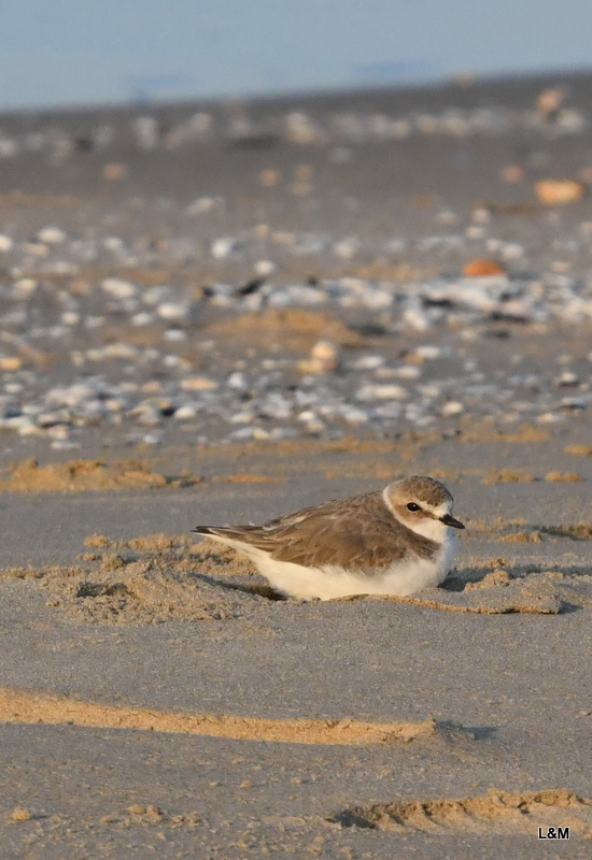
x,y
357,533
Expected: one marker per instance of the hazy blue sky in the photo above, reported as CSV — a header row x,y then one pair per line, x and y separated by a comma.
x,y
83,51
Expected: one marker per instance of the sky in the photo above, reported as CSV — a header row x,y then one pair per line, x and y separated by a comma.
x,y
84,52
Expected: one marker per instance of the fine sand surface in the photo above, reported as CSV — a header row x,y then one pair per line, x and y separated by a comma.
x,y
157,698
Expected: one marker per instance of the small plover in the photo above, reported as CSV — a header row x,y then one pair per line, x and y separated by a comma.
x,y
397,541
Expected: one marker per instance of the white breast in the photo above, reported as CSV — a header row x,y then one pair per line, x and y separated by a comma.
x,y
401,578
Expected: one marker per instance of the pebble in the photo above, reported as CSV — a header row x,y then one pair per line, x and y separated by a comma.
x,y
198,383
36,249
141,319
559,192
407,371
269,177
118,289
172,311
452,407
185,413
512,174
175,335
550,100
381,392
300,128
10,363
201,205
324,357
20,814
347,248
264,268
237,381
6,244
417,319
114,171
64,445
567,378
51,236
482,269
225,247
367,362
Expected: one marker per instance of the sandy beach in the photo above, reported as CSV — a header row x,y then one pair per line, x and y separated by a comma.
x,y
224,312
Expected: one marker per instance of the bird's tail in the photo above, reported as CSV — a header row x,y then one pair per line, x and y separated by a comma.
x,y
224,532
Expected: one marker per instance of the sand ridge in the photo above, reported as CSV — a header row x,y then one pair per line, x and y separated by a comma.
x,y
28,476
496,812
35,708
293,329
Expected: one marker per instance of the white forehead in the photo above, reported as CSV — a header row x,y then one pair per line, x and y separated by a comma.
x,y
439,510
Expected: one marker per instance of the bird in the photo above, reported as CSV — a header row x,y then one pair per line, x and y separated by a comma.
x,y
397,541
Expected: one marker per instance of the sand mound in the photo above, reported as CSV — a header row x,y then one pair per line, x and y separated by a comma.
x,y
76,476
293,329
507,476
544,592
577,531
159,577
496,812
152,579
503,592
484,433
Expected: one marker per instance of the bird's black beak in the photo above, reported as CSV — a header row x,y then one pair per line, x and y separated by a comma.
x,y
450,521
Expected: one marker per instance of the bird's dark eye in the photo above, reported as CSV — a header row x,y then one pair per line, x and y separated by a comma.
x,y
413,507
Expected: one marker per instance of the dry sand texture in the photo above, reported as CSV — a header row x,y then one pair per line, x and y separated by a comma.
x,y
207,319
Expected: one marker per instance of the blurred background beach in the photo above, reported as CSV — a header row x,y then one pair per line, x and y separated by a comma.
x,y
255,255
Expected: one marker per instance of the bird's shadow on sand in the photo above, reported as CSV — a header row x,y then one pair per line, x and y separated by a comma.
x,y
258,589
477,733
